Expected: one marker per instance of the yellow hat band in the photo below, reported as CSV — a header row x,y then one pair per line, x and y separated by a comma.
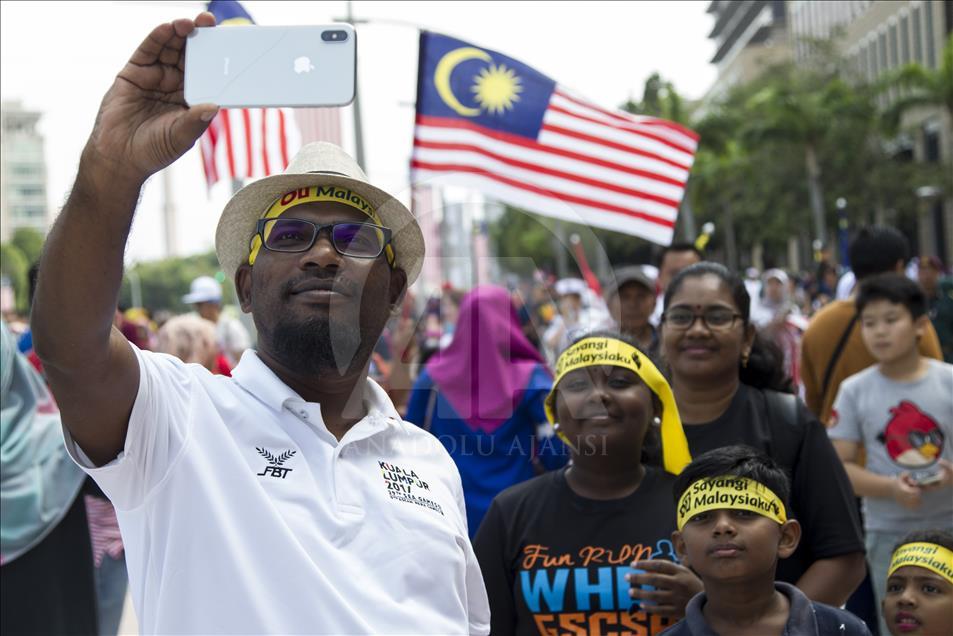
x,y
329,193
592,352
923,555
732,492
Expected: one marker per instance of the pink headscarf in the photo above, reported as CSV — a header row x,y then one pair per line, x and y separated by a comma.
x,y
487,366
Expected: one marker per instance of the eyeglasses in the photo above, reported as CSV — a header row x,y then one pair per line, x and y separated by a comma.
x,y
715,318
359,240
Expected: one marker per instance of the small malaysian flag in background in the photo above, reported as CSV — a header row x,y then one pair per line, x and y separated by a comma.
x,y
487,121
246,143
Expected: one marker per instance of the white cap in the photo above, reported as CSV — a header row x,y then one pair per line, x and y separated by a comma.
x,y
204,289
571,286
777,274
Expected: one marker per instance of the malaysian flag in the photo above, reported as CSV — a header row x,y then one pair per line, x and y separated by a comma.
x,y
487,121
246,143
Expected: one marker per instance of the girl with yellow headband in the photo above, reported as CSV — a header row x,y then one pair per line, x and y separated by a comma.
x,y
919,598
572,549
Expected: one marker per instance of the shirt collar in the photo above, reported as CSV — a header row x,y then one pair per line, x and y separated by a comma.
x,y
801,620
259,380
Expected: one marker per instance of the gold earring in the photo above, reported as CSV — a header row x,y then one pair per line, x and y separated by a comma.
x,y
744,360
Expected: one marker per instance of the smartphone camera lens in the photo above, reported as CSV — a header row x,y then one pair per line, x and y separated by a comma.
x,y
334,36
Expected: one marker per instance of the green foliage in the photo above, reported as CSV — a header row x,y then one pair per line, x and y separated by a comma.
x,y
659,99
753,171
164,282
530,239
524,235
30,243
920,87
14,265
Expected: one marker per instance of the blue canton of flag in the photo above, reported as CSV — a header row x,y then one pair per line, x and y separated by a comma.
x,y
485,87
229,11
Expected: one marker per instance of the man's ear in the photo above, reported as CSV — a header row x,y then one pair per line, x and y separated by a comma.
x,y
679,544
790,537
398,287
243,287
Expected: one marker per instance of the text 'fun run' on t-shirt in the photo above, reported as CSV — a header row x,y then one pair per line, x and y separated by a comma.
x,y
555,563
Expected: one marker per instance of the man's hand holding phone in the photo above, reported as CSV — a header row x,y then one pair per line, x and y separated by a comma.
x,y
144,123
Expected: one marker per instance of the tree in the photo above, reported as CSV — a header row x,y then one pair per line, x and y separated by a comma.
x,y
14,265
531,241
30,243
801,105
924,87
164,282
659,99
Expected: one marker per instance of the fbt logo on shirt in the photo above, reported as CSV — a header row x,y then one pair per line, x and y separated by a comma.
x,y
401,483
275,467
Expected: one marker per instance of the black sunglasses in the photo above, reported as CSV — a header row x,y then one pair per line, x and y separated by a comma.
x,y
358,240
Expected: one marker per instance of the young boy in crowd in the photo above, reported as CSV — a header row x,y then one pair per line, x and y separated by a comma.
x,y
732,530
900,413
919,598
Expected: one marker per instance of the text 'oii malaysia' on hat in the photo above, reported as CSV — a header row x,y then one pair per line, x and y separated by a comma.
x,y
316,164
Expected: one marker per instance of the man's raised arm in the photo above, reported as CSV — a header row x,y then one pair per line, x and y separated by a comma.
x,y
143,125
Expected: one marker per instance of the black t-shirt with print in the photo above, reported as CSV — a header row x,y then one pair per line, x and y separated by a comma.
x,y
821,496
554,563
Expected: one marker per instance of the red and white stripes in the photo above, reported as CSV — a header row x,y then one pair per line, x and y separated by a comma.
x,y
248,143
588,165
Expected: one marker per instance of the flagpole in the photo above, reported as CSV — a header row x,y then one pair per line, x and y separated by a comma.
x,y
168,214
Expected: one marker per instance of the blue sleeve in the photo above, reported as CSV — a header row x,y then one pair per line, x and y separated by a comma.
x,y
550,450
419,398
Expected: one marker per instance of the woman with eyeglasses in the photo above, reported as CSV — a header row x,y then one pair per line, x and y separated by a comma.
x,y
731,388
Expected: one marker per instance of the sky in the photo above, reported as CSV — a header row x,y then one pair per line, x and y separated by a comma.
x,y
60,58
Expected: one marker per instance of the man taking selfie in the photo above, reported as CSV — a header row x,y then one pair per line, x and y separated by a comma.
x,y
290,498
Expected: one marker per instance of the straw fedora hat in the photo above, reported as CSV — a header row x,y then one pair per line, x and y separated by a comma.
x,y
319,163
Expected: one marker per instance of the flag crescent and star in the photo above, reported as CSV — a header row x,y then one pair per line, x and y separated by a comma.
x,y
496,87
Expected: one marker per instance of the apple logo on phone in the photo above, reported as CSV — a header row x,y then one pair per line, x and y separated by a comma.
x,y
303,64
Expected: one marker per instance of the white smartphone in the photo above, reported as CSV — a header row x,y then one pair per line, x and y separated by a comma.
x,y
927,479
271,66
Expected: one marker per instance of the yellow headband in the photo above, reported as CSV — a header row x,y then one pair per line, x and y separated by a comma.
x,y
729,491
591,352
923,555
311,194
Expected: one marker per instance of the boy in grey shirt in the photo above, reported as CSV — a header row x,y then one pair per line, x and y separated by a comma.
x,y
900,412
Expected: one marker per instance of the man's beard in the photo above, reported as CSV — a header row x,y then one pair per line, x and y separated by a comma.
x,y
321,344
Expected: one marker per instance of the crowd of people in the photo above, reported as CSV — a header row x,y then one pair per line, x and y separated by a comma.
x,y
677,449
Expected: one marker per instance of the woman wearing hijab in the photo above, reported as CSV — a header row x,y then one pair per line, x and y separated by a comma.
x,y
483,396
46,562
780,320
559,553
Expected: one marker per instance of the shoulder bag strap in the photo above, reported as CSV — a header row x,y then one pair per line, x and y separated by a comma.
x,y
825,384
786,431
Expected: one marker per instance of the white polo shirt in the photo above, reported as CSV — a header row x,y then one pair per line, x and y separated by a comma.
x,y
242,514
